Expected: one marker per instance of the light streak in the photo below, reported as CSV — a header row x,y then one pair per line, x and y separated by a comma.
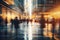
x,y
30,14
25,8
25,34
29,31
28,8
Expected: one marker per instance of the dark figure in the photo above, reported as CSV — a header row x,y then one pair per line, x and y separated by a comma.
x,y
6,22
1,27
12,23
27,21
59,28
42,23
16,25
6,26
1,23
53,27
53,24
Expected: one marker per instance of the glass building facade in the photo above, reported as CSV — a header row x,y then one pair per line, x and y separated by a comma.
x,y
45,5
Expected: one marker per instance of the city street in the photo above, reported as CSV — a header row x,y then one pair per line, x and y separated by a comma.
x,y
23,32
29,19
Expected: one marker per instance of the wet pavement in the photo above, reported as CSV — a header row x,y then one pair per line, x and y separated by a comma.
x,y
23,33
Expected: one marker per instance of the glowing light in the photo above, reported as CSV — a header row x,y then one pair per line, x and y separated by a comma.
x,y
55,12
9,1
29,9
8,17
29,32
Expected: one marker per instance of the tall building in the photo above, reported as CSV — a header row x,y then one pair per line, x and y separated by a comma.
x,y
19,4
34,4
45,5
3,3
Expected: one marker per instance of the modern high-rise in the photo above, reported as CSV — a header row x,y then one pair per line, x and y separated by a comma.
x,y
19,4
34,3
45,5
28,5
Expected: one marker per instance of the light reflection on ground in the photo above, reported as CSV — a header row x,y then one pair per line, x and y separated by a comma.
x,y
23,30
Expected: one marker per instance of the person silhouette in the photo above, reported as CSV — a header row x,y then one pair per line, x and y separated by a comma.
x,y
42,24
53,27
59,28
16,24
1,23
12,23
1,27
53,24
6,26
6,21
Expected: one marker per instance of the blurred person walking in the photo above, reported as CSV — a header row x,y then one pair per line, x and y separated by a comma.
x,y
1,23
12,24
59,28
16,23
53,22
1,27
16,26
42,26
42,23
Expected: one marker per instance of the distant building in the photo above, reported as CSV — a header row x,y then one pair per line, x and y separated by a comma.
x,y
45,5
21,5
21,2
34,3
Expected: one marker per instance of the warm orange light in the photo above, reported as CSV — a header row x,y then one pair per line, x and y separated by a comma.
x,y
9,1
55,12
8,17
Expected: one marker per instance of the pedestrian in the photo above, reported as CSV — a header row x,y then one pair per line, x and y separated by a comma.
x,y
1,27
12,24
53,27
42,24
59,28
16,24
6,21
1,23
53,24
